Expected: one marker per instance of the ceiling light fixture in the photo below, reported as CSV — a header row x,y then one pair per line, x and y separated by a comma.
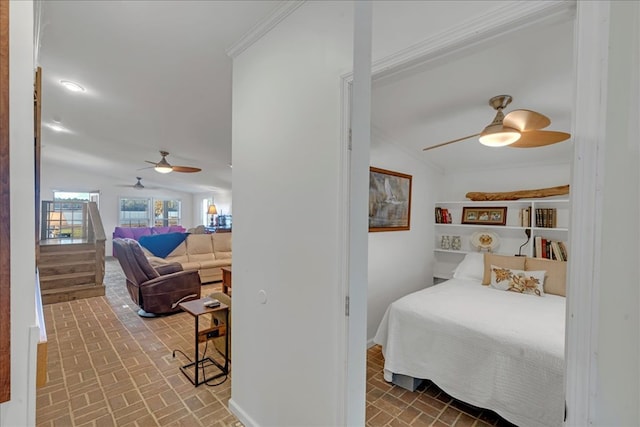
x,y
163,166
499,135
57,127
72,86
496,134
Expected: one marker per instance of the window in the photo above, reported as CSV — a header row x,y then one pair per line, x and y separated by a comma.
x,y
166,212
66,215
138,212
135,212
93,196
205,208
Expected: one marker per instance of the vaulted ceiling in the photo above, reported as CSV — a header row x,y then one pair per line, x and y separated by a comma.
x,y
157,77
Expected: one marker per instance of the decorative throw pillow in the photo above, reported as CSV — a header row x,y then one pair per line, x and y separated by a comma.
x,y
471,267
505,261
524,282
556,277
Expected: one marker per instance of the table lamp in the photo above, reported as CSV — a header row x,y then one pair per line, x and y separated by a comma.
x,y
212,211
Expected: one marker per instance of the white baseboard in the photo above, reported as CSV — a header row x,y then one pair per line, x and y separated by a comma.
x,y
241,414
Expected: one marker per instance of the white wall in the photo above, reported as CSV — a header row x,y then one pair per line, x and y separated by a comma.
x,y
55,177
617,393
20,410
400,262
286,195
459,183
222,200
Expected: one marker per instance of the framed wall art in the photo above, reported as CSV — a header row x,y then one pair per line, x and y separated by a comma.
x,y
389,200
484,216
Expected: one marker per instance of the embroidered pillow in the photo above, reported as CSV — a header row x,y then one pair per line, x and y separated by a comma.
x,y
512,262
524,282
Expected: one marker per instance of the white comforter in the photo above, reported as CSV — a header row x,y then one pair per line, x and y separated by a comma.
x,y
493,349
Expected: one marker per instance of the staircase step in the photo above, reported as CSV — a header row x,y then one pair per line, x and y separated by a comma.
x,y
66,280
70,293
74,247
47,269
66,256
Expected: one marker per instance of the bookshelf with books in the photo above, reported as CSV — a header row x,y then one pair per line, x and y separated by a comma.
x,y
548,218
550,249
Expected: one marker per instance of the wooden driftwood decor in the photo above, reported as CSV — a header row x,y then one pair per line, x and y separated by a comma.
x,y
520,194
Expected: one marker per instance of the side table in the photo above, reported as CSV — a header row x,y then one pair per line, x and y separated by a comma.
x,y
226,279
191,370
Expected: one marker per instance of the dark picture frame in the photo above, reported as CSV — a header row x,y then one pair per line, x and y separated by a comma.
x,y
389,200
491,215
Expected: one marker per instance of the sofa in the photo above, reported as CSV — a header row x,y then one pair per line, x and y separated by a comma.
x,y
207,253
136,232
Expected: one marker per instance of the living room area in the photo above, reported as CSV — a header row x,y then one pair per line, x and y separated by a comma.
x,y
311,283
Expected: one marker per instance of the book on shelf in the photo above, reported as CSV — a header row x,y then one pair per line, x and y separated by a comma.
x,y
524,217
549,249
443,216
545,217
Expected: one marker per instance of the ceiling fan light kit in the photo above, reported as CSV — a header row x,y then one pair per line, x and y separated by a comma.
x,y
163,168
499,135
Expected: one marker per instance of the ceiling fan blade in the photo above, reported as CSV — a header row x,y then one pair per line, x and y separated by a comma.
x,y
449,142
153,163
187,169
526,120
539,138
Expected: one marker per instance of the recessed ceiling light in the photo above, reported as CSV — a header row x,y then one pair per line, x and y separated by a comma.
x,y
72,86
57,127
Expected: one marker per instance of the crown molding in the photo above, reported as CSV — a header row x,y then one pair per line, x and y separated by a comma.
x,y
492,24
284,9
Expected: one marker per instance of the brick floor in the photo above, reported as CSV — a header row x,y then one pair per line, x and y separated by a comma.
x,y
109,367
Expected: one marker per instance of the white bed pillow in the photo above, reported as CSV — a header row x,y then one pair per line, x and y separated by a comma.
x,y
471,267
524,282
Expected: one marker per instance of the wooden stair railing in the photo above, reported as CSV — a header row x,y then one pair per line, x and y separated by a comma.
x,y
96,234
74,269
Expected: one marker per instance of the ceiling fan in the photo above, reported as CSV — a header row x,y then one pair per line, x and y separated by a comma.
x,y
138,185
519,128
164,167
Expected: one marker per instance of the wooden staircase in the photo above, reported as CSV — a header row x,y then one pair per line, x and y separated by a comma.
x,y
68,272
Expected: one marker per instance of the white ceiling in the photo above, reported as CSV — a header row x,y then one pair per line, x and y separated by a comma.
x,y
448,99
157,77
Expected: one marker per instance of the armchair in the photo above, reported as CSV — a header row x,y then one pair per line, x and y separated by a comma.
x,y
155,290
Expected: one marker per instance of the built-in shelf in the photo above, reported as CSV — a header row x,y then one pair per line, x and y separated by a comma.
x,y
512,235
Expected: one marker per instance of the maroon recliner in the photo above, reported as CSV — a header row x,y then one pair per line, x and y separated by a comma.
x,y
155,290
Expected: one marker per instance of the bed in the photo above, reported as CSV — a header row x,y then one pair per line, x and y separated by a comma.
x,y
493,349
